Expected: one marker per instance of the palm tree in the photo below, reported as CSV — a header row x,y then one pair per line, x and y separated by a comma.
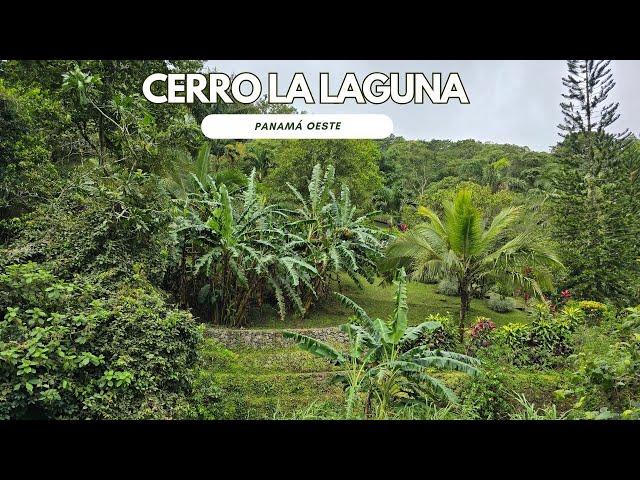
x,y
458,246
380,362
496,176
262,158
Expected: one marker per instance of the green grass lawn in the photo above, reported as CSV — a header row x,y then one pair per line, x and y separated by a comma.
x,y
377,301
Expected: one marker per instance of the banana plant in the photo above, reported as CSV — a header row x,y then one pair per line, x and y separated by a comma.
x,y
239,253
337,239
378,364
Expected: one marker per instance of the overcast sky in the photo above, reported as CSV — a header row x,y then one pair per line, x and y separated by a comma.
x,y
512,101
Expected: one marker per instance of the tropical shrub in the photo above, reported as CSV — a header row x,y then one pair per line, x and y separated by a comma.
x,y
595,312
448,287
501,304
573,313
553,336
70,350
542,311
379,368
487,397
545,341
515,337
480,333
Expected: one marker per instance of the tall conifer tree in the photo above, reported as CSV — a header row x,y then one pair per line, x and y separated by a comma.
x,y
595,222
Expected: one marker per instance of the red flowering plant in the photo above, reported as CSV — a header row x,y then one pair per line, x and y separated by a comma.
x,y
403,227
557,300
480,333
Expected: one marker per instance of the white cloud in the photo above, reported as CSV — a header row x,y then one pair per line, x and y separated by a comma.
x,y
512,101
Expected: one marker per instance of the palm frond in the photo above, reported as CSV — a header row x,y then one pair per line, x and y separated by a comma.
x,y
501,221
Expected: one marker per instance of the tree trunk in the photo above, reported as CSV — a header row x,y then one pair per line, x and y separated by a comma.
x,y
367,406
319,287
464,308
242,307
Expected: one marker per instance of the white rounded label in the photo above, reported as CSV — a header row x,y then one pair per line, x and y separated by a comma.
x,y
297,126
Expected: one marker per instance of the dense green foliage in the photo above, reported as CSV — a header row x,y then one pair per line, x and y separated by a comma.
x,y
235,257
120,230
236,254
90,334
74,350
355,162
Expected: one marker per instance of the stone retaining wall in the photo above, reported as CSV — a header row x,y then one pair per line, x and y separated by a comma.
x,y
232,337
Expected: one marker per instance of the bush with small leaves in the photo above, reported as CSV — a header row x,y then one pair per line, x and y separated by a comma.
x,y
70,350
595,312
448,287
501,304
486,397
545,341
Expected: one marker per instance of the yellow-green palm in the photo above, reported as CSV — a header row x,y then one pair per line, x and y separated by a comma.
x,y
459,246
